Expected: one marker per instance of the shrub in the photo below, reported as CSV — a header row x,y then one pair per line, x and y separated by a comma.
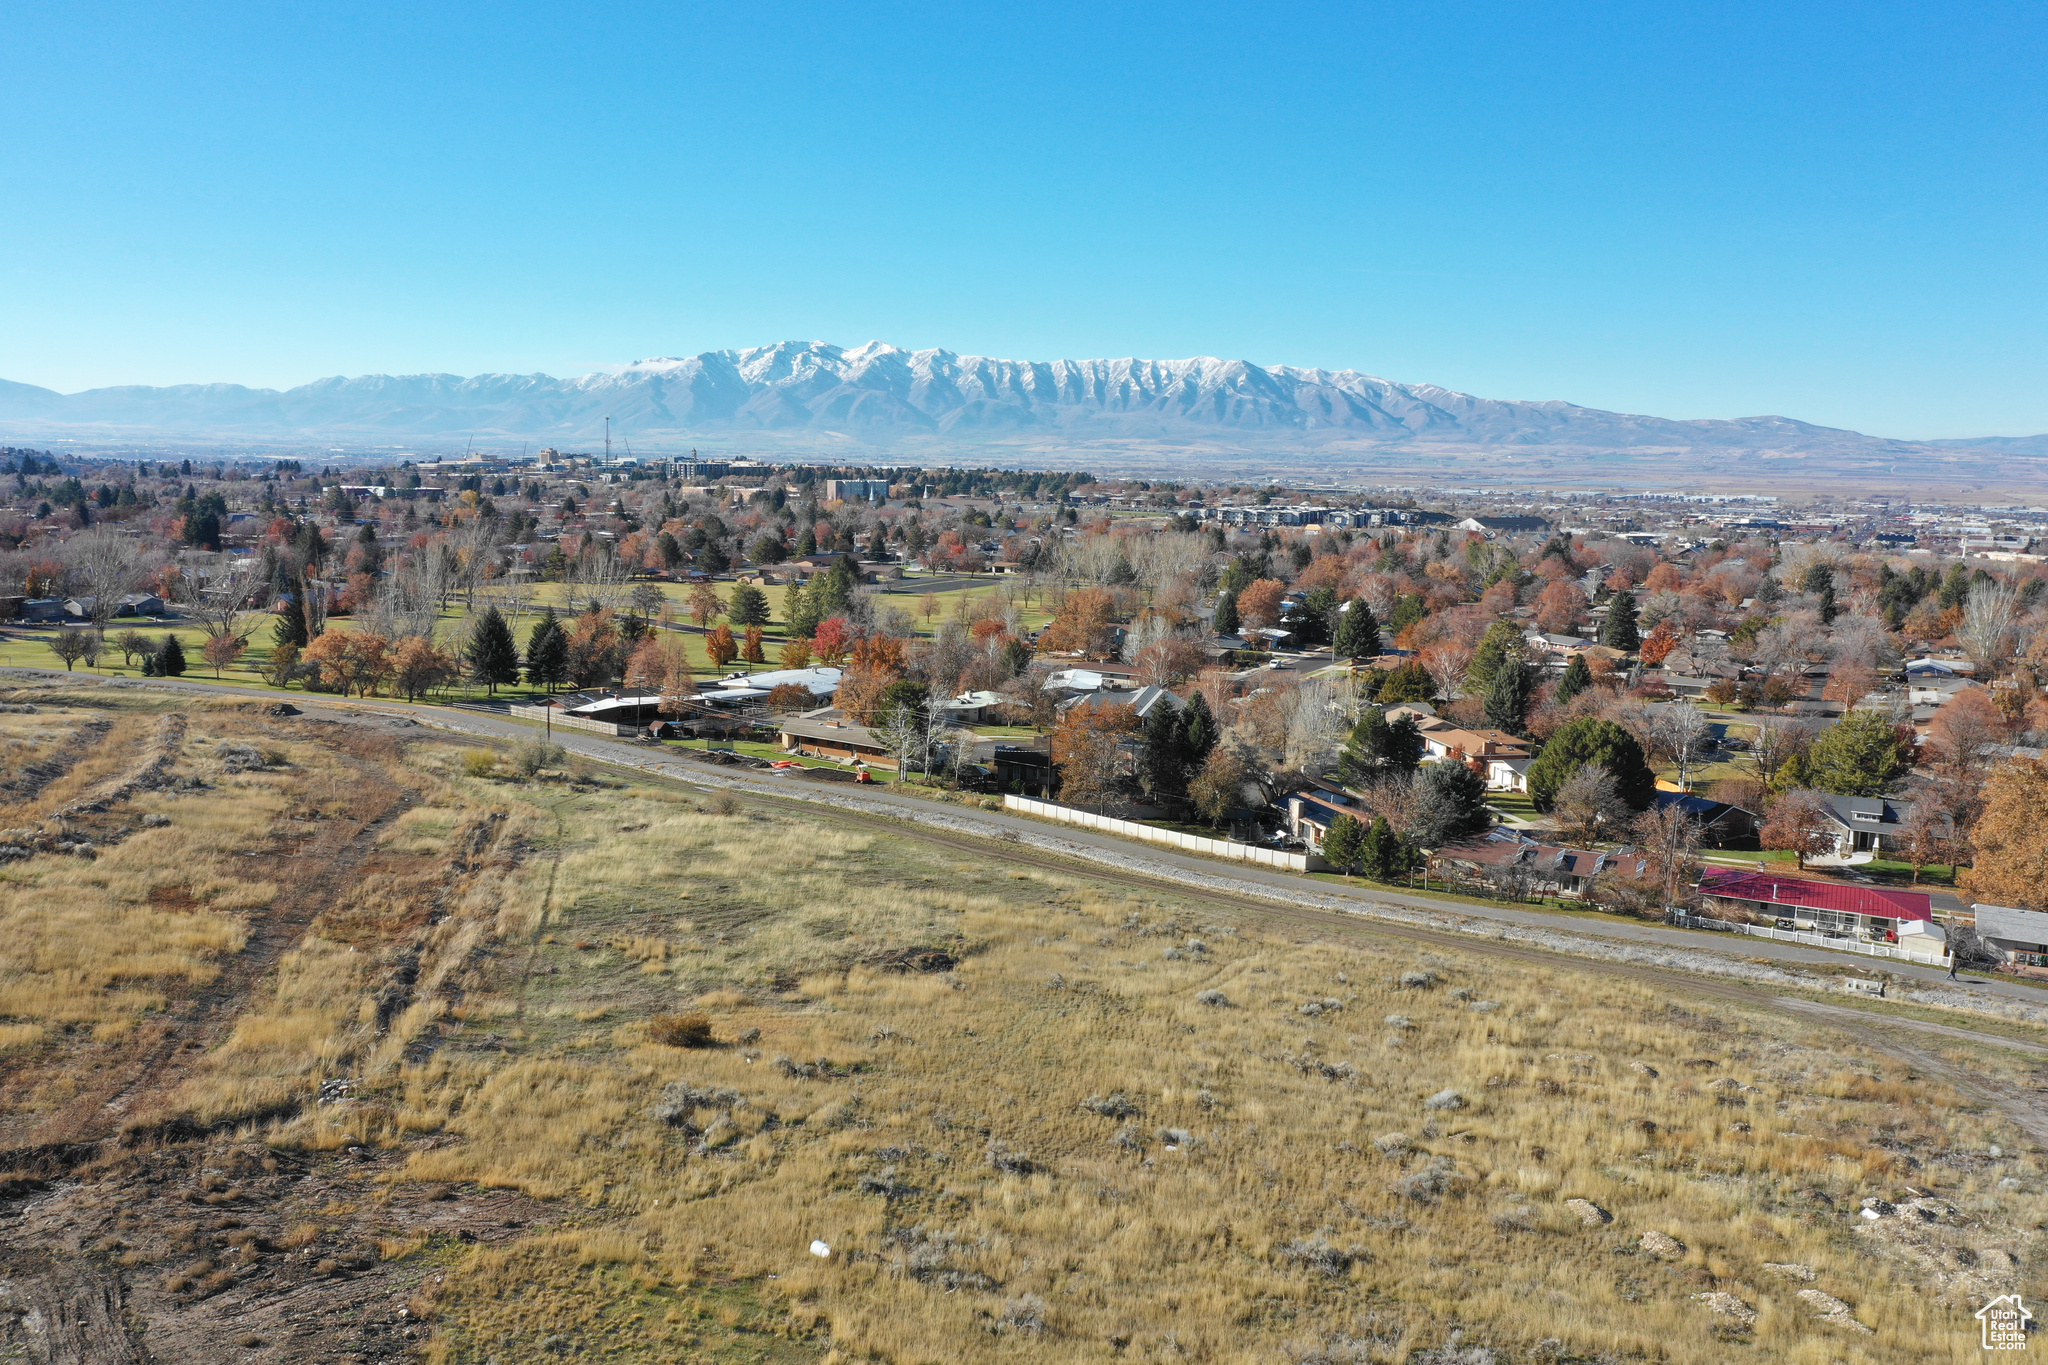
x,y
1444,1099
681,1030
480,763
725,803
1213,999
1117,1106
529,758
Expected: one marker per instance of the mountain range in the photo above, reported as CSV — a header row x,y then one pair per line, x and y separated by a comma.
x,y
878,397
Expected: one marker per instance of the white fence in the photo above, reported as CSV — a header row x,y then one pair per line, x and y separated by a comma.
x,y
1193,843
1844,945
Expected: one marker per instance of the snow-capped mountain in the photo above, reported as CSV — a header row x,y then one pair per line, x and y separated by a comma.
x,y
877,396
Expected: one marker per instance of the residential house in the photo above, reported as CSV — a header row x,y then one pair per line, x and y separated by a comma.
x,y
2019,937
1311,811
140,604
1865,825
1491,527
1524,867
42,609
1142,702
970,708
1831,909
81,608
1720,824
1504,760
840,740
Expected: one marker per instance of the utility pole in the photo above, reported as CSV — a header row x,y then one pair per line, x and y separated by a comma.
x,y
607,440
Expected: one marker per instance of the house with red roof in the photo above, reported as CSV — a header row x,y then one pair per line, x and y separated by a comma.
x,y
1872,914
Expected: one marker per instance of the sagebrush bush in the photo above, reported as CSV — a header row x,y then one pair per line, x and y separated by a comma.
x,y
680,1030
480,763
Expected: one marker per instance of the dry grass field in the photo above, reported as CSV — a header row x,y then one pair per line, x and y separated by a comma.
x,y
402,1027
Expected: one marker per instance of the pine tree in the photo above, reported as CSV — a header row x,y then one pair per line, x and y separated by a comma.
x,y
1197,735
493,657
170,660
1502,643
1577,678
1226,614
1829,608
1161,766
1344,844
1385,857
537,647
290,626
748,607
1358,631
1507,698
1620,632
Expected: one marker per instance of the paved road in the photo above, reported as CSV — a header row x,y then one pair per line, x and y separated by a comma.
x,y
1104,848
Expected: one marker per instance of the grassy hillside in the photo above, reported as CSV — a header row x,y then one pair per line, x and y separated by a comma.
x,y
1032,1116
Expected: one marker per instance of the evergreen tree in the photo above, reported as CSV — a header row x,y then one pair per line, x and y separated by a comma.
x,y
170,660
290,626
1818,578
1502,643
1344,845
1377,744
1577,678
1197,734
1226,622
1161,766
1601,743
801,607
1769,592
1860,755
1507,697
547,651
748,607
1620,632
493,656
1386,855
1313,624
1358,631
1829,608
1452,804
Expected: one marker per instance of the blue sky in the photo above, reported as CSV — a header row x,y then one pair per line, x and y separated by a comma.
x,y
1831,211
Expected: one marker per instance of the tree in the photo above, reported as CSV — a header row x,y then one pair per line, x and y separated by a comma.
x,y
170,660
222,650
1358,631
1450,804
1658,644
1577,678
748,607
1620,630
1219,789
1377,744
1259,603
796,654
1587,801
290,626
1678,729
1225,621
1344,844
278,670
832,639
1386,854
592,655
1312,626
800,607
704,604
720,645
750,646
2011,866
70,644
1507,697
492,655
1501,645
418,667
350,661
1601,743
1863,754
547,652
1082,623
1409,682
1800,824
788,698
132,643
1160,768
1084,750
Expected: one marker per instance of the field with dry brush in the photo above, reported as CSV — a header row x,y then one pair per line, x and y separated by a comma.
x,y
431,1035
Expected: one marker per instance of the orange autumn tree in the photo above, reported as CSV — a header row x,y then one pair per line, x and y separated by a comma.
x,y
1659,643
350,661
750,646
1082,623
2011,837
418,667
1259,603
720,645
1085,748
876,662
